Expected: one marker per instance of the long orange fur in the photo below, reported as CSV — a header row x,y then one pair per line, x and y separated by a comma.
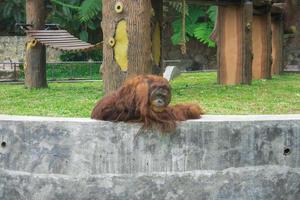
x,y
131,103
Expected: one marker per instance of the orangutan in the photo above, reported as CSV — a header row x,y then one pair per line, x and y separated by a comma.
x,y
145,98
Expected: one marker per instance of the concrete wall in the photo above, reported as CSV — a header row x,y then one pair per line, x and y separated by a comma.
x,y
12,48
251,183
217,157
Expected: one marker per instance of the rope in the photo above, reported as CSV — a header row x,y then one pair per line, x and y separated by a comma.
x,y
183,39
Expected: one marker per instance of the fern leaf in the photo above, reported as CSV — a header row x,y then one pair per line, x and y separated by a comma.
x,y
202,33
212,13
178,7
89,9
61,3
195,12
176,38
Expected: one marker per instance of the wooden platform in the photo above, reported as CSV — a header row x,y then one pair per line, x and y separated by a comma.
x,y
61,40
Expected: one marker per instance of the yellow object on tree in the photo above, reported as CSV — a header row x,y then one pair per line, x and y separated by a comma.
x,y
121,45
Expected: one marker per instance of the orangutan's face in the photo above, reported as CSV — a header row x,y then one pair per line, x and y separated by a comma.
x,y
160,98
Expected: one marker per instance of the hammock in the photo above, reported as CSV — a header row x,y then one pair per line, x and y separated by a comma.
x,y
61,40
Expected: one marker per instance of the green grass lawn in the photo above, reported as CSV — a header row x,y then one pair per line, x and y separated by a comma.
x,y
281,95
69,71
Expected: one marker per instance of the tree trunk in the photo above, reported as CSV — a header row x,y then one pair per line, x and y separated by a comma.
x,y
156,36
234,44
127,41
35,56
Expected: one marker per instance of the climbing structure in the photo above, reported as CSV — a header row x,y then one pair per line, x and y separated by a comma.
x,y
60,40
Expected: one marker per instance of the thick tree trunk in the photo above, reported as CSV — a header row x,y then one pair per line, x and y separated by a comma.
x,y
127,40
234,44
35,57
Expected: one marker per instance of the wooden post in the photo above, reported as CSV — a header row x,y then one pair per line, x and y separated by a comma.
x,y
277,44
234,43
35,56
127,40
262,46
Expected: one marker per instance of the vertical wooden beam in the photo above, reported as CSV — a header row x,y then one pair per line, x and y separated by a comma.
x,y
35,55
277,44
262,46
156,36
234,43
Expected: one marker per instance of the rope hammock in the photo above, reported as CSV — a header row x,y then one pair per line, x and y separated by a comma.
x,y
60,39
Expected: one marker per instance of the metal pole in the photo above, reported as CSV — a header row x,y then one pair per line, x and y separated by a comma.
x,y
52,73
90,65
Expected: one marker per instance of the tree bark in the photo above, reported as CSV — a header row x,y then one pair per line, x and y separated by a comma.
x,y
35,56
127,40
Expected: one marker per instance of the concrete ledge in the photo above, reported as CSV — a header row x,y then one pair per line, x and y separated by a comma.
x,y
205,118
259,183
85,147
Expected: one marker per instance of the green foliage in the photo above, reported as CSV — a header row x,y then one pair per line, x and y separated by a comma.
x,y
89,9
177,6
83,35
75,16
202,33
212,13
72,56
65,5
95,55
199,24
11,12
191,23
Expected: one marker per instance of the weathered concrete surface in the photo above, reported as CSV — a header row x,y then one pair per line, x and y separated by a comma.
x,y
12,48
217,157
249,183
86,147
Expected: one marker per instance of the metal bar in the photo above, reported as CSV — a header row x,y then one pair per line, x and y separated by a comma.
x,y
52,71
90,70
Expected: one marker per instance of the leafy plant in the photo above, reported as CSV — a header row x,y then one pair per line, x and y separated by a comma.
x,y
199,23
11,12
65,5
89,9
77,16
202,33
95,55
